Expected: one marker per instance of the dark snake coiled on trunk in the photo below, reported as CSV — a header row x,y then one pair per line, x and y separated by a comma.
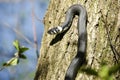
x,y
79,59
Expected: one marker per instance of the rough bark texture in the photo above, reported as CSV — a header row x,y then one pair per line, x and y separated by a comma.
x,y
57,52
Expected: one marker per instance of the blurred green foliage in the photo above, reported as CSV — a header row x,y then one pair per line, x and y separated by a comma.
x,y
104,73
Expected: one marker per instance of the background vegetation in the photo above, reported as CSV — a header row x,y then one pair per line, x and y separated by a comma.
x,y
17,18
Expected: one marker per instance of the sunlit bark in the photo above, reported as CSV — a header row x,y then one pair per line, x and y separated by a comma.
x,y
57,52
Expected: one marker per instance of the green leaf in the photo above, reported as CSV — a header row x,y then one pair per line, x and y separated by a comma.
x,y
22,56
23,49
103,73
90,71
12,62
16,44
114,69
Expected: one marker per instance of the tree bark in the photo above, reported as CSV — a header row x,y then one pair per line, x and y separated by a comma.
x,y
57,51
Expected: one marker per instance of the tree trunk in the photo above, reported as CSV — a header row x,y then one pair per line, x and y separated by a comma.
x,y
103,43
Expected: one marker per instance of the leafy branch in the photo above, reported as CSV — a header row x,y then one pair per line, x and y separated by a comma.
x,y
17,56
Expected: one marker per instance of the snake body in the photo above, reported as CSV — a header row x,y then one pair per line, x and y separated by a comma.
x,y
79,59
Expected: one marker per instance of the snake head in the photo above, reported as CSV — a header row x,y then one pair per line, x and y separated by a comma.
x,y
55,30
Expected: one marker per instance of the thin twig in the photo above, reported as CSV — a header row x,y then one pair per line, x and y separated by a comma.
x,y
34,33
111,45
19,33
36,17
109,39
